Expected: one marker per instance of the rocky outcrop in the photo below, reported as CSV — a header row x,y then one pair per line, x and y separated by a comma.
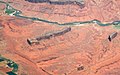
x,y
112,36
48,36
1,26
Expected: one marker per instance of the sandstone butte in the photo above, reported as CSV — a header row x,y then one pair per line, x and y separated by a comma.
x,y
85,50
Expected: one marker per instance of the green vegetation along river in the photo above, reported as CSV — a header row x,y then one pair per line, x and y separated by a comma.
x,y
14,12
10,64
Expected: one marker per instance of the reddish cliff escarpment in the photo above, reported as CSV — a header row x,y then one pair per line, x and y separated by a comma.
x,y
83,50
103,10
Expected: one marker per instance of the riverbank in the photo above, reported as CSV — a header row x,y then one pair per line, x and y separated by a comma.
x,y
14,12
9,64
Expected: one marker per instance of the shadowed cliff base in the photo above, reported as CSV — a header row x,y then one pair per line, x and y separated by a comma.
x,y
60,2
48,36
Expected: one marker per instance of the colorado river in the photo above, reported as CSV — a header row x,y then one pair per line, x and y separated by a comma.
x,y
14,12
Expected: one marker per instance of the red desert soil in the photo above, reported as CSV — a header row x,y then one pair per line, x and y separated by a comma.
x,y
85,50
104,10
84,46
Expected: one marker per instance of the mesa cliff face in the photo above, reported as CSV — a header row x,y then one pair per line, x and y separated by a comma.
x,y
60,2
80,1
108,10
37,1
